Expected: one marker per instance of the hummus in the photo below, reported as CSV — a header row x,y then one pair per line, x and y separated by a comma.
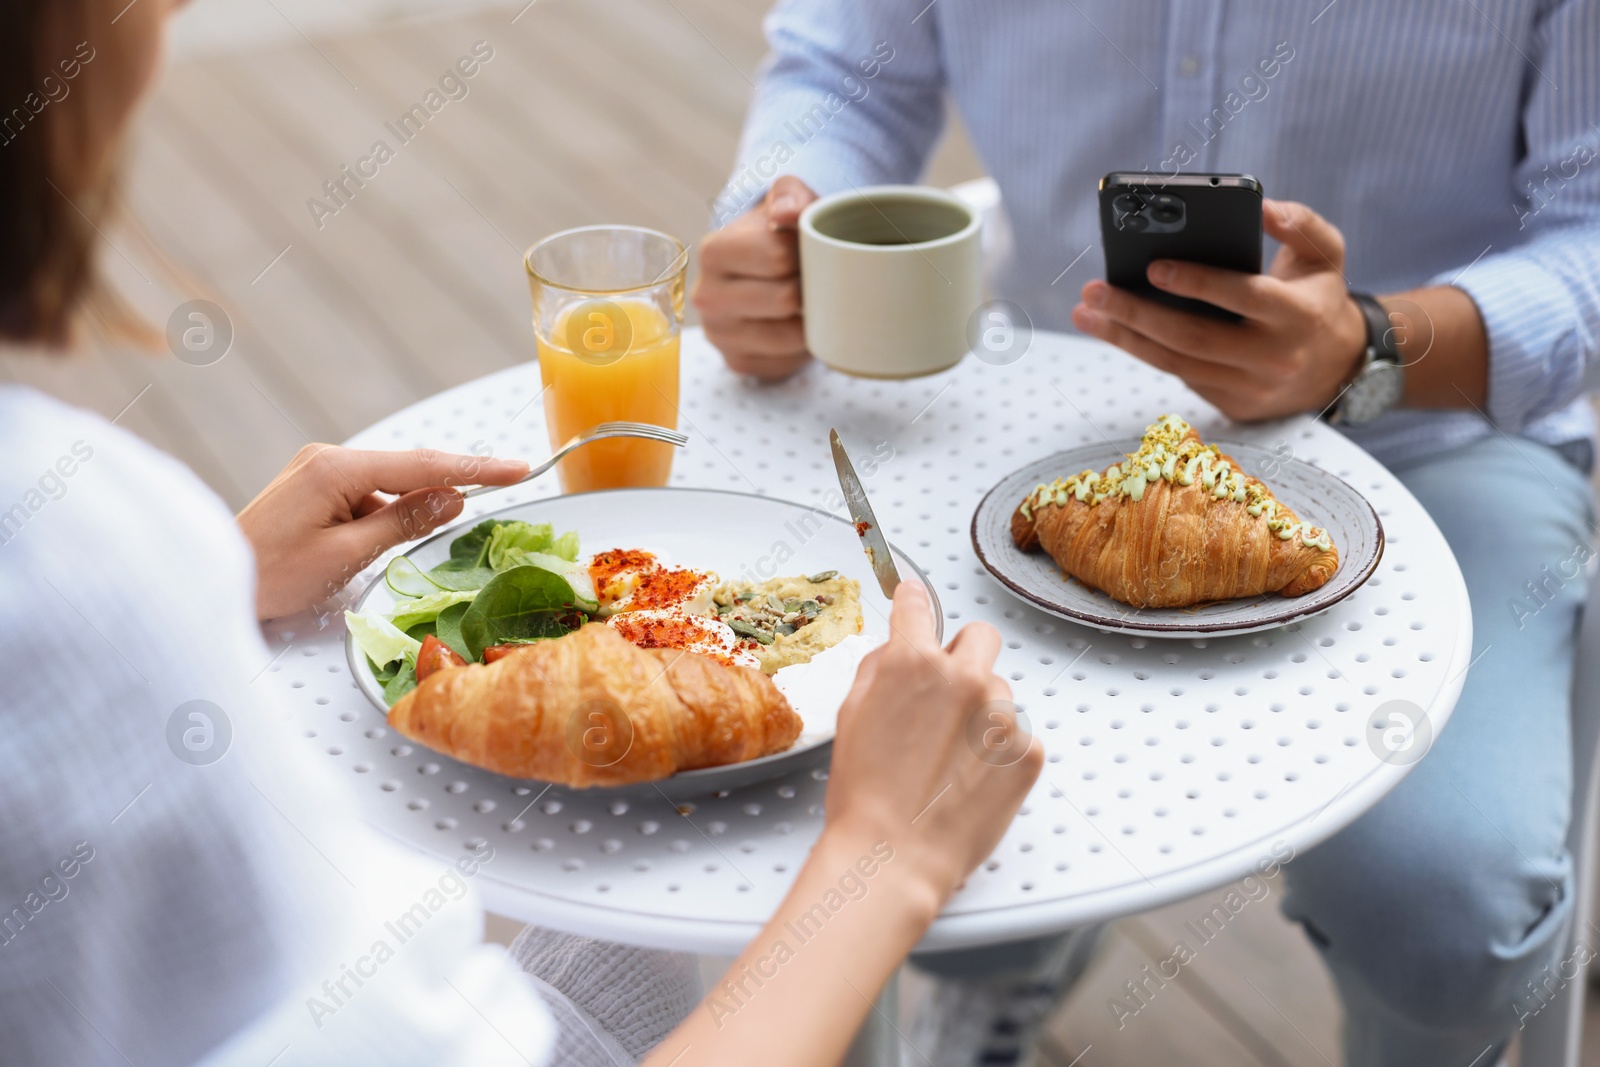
x,y
786,621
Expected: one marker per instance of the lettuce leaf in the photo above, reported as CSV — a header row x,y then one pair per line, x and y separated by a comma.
x,y
492,546
566,546
408,613
380,639
524,536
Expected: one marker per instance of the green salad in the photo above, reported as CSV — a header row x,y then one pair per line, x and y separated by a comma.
x,y
506,583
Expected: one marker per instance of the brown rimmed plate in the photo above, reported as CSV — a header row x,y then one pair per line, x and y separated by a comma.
x,y
1313,493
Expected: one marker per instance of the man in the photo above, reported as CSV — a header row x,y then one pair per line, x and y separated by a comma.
x,y
1444,154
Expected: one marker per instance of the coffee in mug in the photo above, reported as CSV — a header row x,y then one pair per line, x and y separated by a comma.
x,y
889,277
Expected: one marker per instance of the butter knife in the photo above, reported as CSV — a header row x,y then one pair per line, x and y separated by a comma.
x,y
867,528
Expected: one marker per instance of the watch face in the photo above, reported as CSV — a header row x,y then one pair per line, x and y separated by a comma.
x,y
1376,389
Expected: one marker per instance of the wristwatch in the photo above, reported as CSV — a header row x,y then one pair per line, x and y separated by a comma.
x,y
1378,384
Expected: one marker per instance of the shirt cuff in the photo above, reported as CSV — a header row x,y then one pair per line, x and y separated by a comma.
x,y
1530,319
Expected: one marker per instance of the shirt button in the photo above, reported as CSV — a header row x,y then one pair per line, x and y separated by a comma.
x,y
1189,66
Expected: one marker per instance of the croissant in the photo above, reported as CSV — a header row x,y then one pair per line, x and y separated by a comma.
x,y
590,708
1176,523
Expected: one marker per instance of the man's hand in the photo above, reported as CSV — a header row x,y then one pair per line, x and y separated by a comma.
x,y
334,510
748,293
1301,340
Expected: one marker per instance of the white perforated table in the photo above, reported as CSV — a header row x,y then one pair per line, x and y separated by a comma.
x,y
1174,766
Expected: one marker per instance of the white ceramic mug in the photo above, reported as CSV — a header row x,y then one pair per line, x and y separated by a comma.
x,y
890,276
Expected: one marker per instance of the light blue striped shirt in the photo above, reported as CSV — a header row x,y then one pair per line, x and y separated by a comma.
x,y
1452,141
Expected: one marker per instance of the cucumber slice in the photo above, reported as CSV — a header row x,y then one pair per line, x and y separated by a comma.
x,y
407,579
583,589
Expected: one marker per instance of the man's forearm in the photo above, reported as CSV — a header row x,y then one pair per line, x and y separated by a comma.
x,y
1443,345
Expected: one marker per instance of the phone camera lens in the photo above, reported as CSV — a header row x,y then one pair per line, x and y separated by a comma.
x,y
1128,204
1136,223
1166,209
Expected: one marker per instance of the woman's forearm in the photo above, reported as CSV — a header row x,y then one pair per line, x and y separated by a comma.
x,y
912,808
1443,345
797,994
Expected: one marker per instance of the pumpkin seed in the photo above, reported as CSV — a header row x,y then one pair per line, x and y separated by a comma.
x,y
822,576
784,629
744,629
775,603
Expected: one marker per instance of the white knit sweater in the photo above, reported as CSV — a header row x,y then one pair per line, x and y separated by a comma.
x,y
159,909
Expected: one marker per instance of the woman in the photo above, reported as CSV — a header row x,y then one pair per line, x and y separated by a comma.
x,y
159,908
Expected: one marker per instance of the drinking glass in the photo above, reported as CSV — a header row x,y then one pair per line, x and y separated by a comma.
x,y
607,316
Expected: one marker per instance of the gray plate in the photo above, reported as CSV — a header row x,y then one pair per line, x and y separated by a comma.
x,y
676,522
1313,493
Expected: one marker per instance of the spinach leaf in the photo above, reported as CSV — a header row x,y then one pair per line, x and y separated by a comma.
x,y
471,548
404,681
448,629
525,630
520,604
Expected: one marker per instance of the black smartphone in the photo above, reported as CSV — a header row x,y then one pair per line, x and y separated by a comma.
x,y
1200,218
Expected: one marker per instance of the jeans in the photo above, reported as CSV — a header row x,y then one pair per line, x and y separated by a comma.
x,y
1438,911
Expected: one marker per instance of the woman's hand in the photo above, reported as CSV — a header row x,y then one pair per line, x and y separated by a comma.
x,y
334,510
1301,340
928,769
929,756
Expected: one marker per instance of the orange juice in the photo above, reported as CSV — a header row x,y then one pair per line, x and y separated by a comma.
x,y
597,368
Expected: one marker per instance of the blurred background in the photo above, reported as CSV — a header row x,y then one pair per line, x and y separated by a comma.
x,y
589,111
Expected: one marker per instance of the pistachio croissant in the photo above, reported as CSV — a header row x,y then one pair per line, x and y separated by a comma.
x,y
591,708
1174,524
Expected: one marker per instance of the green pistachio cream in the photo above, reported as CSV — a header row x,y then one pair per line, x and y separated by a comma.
x,y
1164,453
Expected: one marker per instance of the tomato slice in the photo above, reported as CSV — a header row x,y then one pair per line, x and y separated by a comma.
x,y
436,655
494,652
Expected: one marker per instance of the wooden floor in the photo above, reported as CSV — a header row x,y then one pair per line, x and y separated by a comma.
x,y
416,284
588,111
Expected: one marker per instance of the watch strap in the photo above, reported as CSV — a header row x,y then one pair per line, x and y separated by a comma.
x,y
1380,338
1380,348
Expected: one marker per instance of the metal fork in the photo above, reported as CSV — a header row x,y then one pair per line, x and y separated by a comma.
x,y
601,432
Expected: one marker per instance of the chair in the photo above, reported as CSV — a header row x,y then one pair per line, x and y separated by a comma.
x,y
1553,1037
982,196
